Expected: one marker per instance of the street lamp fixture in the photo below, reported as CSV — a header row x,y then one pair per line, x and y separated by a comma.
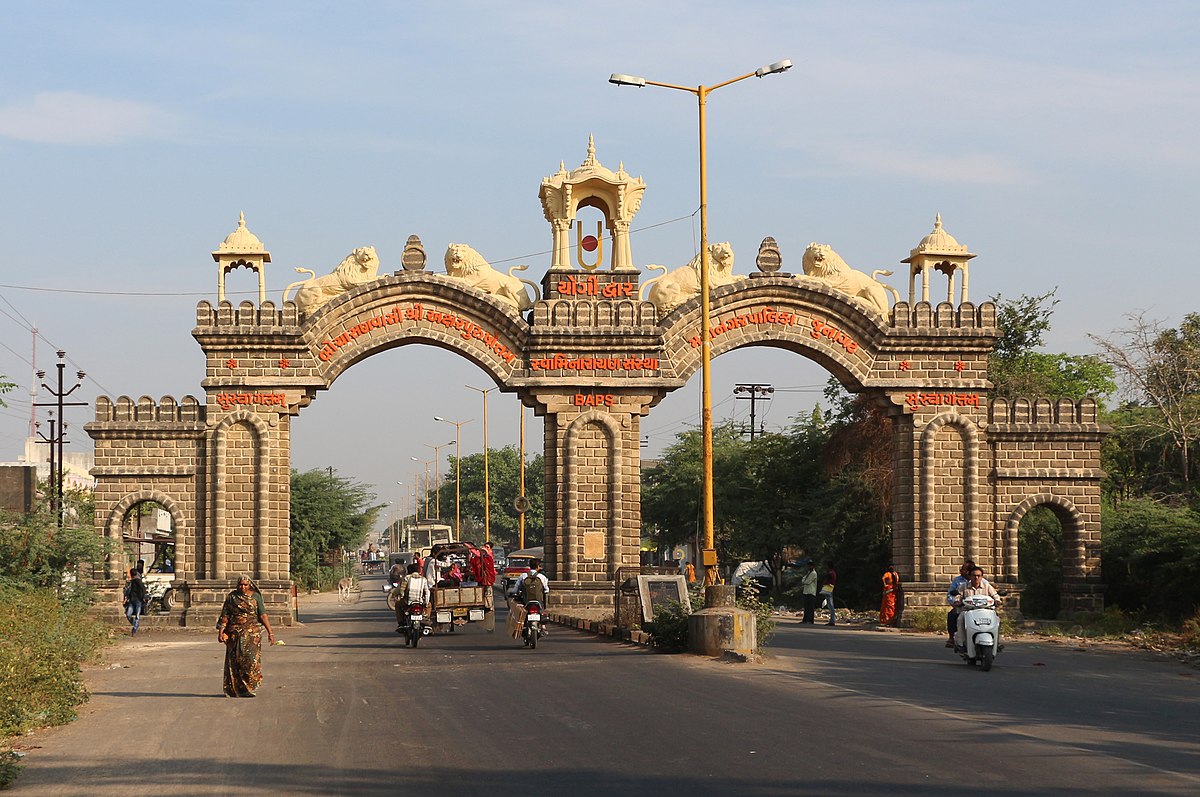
x,y
458,425
709,553
487,490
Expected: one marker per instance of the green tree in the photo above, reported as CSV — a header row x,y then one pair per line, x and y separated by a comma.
x,y
1151,554
1016,368
504,483
1159,368
329,513
35,553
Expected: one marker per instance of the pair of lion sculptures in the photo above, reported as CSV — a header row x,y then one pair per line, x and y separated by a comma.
x,y
666,291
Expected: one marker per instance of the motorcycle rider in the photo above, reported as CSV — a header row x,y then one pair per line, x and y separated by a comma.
x,y
413,589
978,585
533,586
956,585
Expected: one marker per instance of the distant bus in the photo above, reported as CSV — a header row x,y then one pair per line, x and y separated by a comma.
x,y
423,536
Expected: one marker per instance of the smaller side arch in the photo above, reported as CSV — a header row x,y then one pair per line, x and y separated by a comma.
x,y
1072,520
116,513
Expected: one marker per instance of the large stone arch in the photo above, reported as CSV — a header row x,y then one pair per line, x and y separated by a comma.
x,y
591,358
1074,526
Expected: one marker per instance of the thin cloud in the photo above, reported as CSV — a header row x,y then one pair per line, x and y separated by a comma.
x,y
67,117
879,159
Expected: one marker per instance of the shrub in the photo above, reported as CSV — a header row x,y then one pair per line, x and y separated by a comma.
x,y
928,619
670,626
44,642
10,767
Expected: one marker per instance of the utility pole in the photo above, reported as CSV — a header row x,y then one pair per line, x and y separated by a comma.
x,y
756,392
56,441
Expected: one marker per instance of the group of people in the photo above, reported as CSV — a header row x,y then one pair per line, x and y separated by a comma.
x,y
416,582
808,589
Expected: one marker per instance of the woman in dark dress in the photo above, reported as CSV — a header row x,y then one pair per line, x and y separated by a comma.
x,y
243,617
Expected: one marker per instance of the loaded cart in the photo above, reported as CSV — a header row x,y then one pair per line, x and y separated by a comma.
x,y
458,605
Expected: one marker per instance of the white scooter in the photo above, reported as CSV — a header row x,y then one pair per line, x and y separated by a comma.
x,y
981,627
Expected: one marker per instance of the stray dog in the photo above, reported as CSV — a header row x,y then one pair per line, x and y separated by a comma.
x,y
344,587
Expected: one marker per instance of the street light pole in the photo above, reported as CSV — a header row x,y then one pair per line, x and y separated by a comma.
x,y
487,488
709,554
458,425
426,464
437,479
56,500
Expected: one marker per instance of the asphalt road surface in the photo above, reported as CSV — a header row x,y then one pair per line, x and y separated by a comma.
x,y
345,708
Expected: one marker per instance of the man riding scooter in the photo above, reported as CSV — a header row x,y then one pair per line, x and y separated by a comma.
x,y
977,586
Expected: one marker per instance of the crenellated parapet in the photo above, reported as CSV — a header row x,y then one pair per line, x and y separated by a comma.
x,y
246,314
925,316
1029,413
588,314
146,410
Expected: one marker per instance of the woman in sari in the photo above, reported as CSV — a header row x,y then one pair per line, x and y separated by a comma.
x,y
243,617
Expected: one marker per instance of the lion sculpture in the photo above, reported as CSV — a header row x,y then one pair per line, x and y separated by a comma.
x,y
464,263
360,266
671,289
822,263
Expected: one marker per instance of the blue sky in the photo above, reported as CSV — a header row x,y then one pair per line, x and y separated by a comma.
x,y
1057,140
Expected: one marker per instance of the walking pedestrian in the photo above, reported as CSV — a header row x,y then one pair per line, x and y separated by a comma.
x,y
827,592
135,598
243,616
808,587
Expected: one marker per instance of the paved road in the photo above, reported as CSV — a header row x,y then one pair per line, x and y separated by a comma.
x,y
347,709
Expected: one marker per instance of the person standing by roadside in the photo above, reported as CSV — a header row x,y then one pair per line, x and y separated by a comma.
x,y
483,571
689,571
891,589
808,587
827,592
135,599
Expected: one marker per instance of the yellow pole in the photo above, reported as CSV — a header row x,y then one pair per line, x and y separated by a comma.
x,y
709,553
521,518
487,488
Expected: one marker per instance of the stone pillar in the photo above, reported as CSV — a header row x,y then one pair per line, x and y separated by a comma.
x,y
593,491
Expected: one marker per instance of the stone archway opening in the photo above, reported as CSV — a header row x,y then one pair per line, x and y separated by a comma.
x,y
1040,536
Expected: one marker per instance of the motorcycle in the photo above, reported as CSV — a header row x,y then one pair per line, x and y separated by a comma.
x,y
392,590
417,626
981,629
532,629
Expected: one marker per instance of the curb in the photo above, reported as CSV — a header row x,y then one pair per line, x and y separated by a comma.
x,y
598,628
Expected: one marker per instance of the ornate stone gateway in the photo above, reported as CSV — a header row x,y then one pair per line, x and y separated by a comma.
x,y
592,352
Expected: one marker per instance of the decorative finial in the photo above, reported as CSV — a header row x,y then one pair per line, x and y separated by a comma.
x,y
937,222
591,155
241,218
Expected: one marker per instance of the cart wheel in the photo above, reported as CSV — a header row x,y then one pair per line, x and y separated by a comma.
x,y
168,599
